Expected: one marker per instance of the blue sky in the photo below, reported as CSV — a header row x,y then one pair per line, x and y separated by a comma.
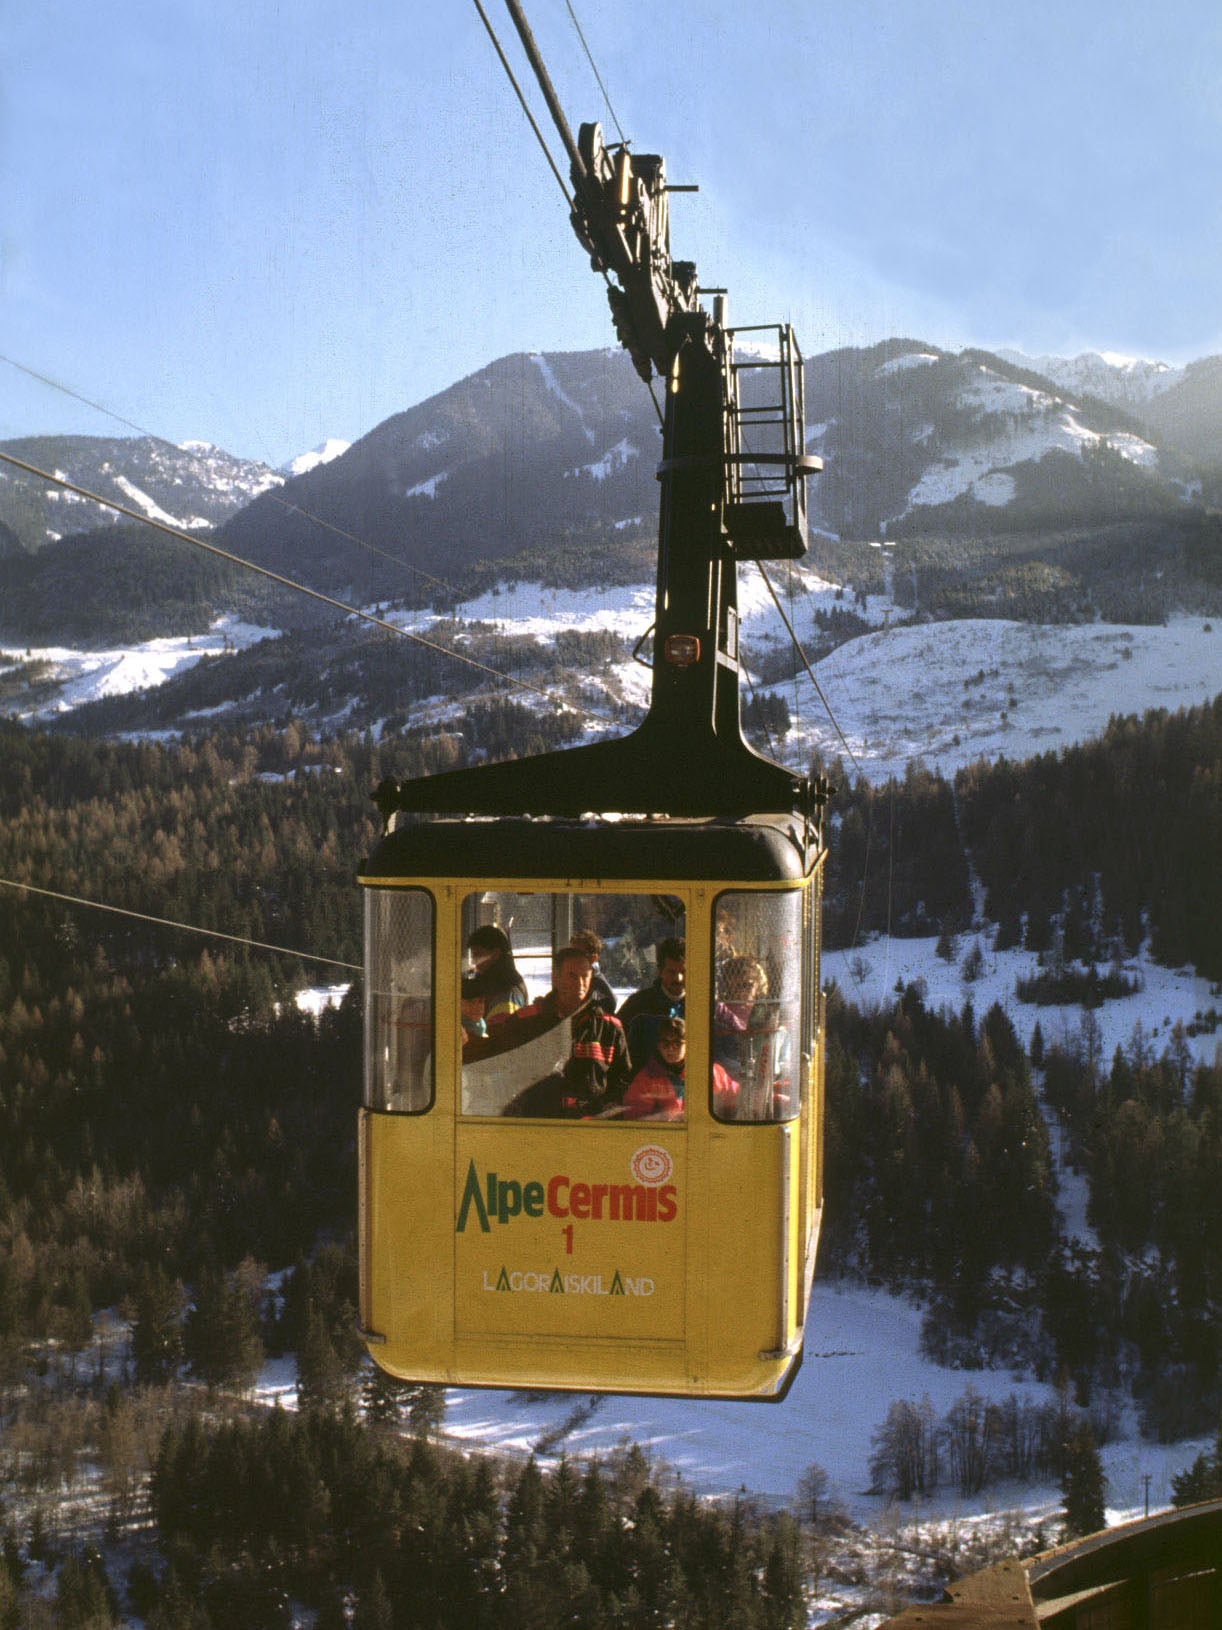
x,y
266,223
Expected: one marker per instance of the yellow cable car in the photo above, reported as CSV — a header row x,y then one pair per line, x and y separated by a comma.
x,y
627,1254
575,1199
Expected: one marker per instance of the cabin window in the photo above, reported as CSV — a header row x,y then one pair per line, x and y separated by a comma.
x,y
399,1010
810,980
561,999
757,1006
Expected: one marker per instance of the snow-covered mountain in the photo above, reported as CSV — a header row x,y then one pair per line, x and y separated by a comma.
x,y
322,454
194,487
536,455
907,429
547,454
1125,382
542,468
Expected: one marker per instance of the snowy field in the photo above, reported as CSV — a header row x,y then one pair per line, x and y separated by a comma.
x,y
862,1354
953,692
868,976
947,693
84,676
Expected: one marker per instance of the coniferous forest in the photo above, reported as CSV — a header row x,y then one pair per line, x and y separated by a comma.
x,y
173,1130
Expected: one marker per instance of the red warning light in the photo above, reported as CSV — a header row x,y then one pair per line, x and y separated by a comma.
x,y
682,650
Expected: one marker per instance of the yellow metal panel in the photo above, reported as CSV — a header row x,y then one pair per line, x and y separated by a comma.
x,y
570,1232
743,1229
408,1218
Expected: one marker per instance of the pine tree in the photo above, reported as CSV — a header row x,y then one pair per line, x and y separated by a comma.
x,y
83,1598
321,1380
784,1605
157,1326
382,1397
221,1336
426,1409
1083,1486
1203,1479
76,1320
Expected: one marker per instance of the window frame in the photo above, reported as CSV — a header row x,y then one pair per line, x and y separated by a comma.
x,y
798,1004
378,900
565,903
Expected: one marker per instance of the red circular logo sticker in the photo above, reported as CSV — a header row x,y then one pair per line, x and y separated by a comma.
x,y
651,1165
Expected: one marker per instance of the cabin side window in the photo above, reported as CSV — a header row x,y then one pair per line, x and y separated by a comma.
x,y
757,1013
399,1008
562,1000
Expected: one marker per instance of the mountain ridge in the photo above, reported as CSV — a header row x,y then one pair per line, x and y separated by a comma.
x,y
194,486
540,466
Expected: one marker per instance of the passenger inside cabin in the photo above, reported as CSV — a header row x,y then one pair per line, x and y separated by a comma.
x,y
473,1002
725,937
658,1089
656,1092
742,983
643,1012
492,958
750,1045
598,1067
585,939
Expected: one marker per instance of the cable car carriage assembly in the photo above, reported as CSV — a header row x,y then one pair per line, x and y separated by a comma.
x,y
527,1216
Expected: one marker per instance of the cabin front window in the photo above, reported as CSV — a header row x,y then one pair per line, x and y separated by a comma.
x,y
399,1010
757,1009
562,1004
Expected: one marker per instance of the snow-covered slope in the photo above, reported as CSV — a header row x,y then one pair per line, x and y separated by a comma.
x,y
905,428
193,487
322,454
67,679
945,692
1014,423
1126,382
953,692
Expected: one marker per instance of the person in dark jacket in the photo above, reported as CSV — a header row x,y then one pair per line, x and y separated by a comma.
x,y
585,939
643,1012
472,1001
598,1067
503,988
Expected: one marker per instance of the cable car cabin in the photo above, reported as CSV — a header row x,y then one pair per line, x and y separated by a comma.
x,y
572,1201
529,1216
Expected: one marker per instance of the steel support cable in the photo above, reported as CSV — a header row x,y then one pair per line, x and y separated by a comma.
x,y
809,670
362,543
561,123
594,70
772,747
45,379
560,182
278,577
865,866
190,928
653,397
